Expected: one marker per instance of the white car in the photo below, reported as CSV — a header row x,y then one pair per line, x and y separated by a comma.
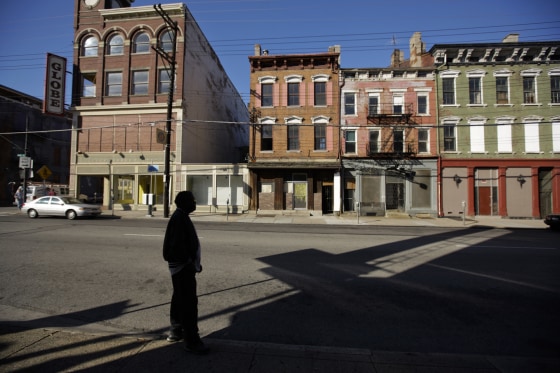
x,y
59,206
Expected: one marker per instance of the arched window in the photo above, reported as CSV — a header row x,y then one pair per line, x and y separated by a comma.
x,y
115,45
141,43
166,41
89,46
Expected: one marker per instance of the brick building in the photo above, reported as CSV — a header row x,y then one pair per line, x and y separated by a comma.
x,y
122,75
294,158
389,147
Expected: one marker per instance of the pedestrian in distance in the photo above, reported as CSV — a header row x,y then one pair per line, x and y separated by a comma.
x,y
19,197
181,250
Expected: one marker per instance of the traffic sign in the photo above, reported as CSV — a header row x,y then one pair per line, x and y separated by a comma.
x,y
44,172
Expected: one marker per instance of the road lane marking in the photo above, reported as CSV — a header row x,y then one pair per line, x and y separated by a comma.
x,y
407,259
516,247
495,278
150,235
143,235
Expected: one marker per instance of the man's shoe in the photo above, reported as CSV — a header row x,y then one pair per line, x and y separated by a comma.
x,y
197,347
174,336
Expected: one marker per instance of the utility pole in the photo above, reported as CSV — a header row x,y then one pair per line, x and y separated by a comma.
x,y
25,155
171,25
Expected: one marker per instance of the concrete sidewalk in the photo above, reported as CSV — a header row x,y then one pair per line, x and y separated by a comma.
x,y
59,350
352,219
300,218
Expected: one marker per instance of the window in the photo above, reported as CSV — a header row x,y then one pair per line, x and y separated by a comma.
x,y
293,137
293,94
350,141
373,105
349,103
504,135
320,93
556,135
266,137
114,84
140,82
115,45
88,84
320,130
529,90
398,103
475,91
555,89
448,86
89,47
423,140
449,139
141,43
502,90
374,141
164,80
532,137
530,86
320,89
166,41
398,141
422,104
477,135
266,95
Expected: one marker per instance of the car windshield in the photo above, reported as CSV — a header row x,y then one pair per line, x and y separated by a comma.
x,y
70,200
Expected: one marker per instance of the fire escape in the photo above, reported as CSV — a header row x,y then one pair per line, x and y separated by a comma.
x,y
395,144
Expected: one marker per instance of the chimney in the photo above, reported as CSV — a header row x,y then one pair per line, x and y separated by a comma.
x,y
397,58
417,49
511,38
334,48
257,49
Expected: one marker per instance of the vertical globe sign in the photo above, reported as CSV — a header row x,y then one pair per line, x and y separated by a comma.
x,y
55,85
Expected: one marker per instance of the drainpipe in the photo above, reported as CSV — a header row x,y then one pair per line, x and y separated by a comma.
x,y
341,83
438,152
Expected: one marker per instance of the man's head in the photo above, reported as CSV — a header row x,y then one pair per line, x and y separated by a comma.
x,y
185,200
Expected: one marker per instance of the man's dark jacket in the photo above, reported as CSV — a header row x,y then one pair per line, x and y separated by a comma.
x,y
180,244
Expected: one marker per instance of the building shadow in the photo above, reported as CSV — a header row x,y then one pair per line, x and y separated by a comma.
x,y
462,291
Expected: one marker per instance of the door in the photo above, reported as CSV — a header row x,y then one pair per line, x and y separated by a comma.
x,y
300,196
327,202
545,191
484,203
394,196
486,191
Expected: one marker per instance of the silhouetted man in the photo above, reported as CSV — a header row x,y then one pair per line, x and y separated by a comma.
x,y
181,250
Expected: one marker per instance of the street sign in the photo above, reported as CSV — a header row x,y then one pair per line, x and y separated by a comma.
x,y
24,162
44,172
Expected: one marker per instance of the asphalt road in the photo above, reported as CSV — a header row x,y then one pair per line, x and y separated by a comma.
x,y
418,289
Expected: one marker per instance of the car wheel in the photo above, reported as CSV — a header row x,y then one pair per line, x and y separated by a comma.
x,y
71,214
32,213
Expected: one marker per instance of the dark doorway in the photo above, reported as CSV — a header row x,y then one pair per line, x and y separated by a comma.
x,y
545,191
394,196
327,200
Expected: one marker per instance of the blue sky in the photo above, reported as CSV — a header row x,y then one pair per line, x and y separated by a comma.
x,y
366,30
